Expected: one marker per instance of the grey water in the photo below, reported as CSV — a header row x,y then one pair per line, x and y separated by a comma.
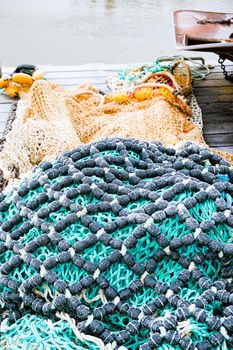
x,y
73,32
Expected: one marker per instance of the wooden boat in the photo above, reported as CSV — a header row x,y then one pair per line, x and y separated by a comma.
x,y
205,31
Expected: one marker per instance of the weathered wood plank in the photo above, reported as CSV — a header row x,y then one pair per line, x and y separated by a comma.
x,y
101,66
218,117
215,107
79,68
212,91
2,128
82,74
213,127
227,149
87,67
3,117
215,75
203,84
215,97
217,68
219,139
78,81
5,107
205,99
6,100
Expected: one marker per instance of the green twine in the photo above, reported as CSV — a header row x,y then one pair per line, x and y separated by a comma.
x,y
133,73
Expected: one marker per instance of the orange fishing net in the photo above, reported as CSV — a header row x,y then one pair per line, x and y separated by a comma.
x,y
42,130
182,74
149,112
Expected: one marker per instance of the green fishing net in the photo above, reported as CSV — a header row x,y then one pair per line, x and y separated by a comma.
x,y
119,244
37,333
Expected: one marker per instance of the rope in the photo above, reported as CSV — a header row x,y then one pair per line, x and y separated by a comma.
x,y
198,70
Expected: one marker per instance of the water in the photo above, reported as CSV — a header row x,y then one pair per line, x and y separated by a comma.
x,y
72,32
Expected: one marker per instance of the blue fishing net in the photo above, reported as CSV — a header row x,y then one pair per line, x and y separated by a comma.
x,y
120,244
133,73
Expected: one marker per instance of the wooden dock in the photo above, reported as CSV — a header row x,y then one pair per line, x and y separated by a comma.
x,y
214,95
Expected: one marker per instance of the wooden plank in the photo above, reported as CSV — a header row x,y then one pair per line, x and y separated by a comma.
x,y
215,97
2,128
203,84
6,99
213,127
227,149
219,139
213,91
218,118
99,66
216,107
78,81
5,107
3,114
79,68
217,68
205,99
84,75
87,67
213,75
3,117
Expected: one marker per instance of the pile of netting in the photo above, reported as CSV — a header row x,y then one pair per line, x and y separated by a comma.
x,y
42,129
184,69
137,73
120,244
149,105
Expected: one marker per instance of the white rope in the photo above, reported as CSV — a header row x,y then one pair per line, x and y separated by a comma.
x,y
81,336
97,297
199,70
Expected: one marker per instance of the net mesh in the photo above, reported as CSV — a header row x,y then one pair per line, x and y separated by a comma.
x,y
42,130
37,333
162,78
51,120
182,74
146,115
120,244
177,74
